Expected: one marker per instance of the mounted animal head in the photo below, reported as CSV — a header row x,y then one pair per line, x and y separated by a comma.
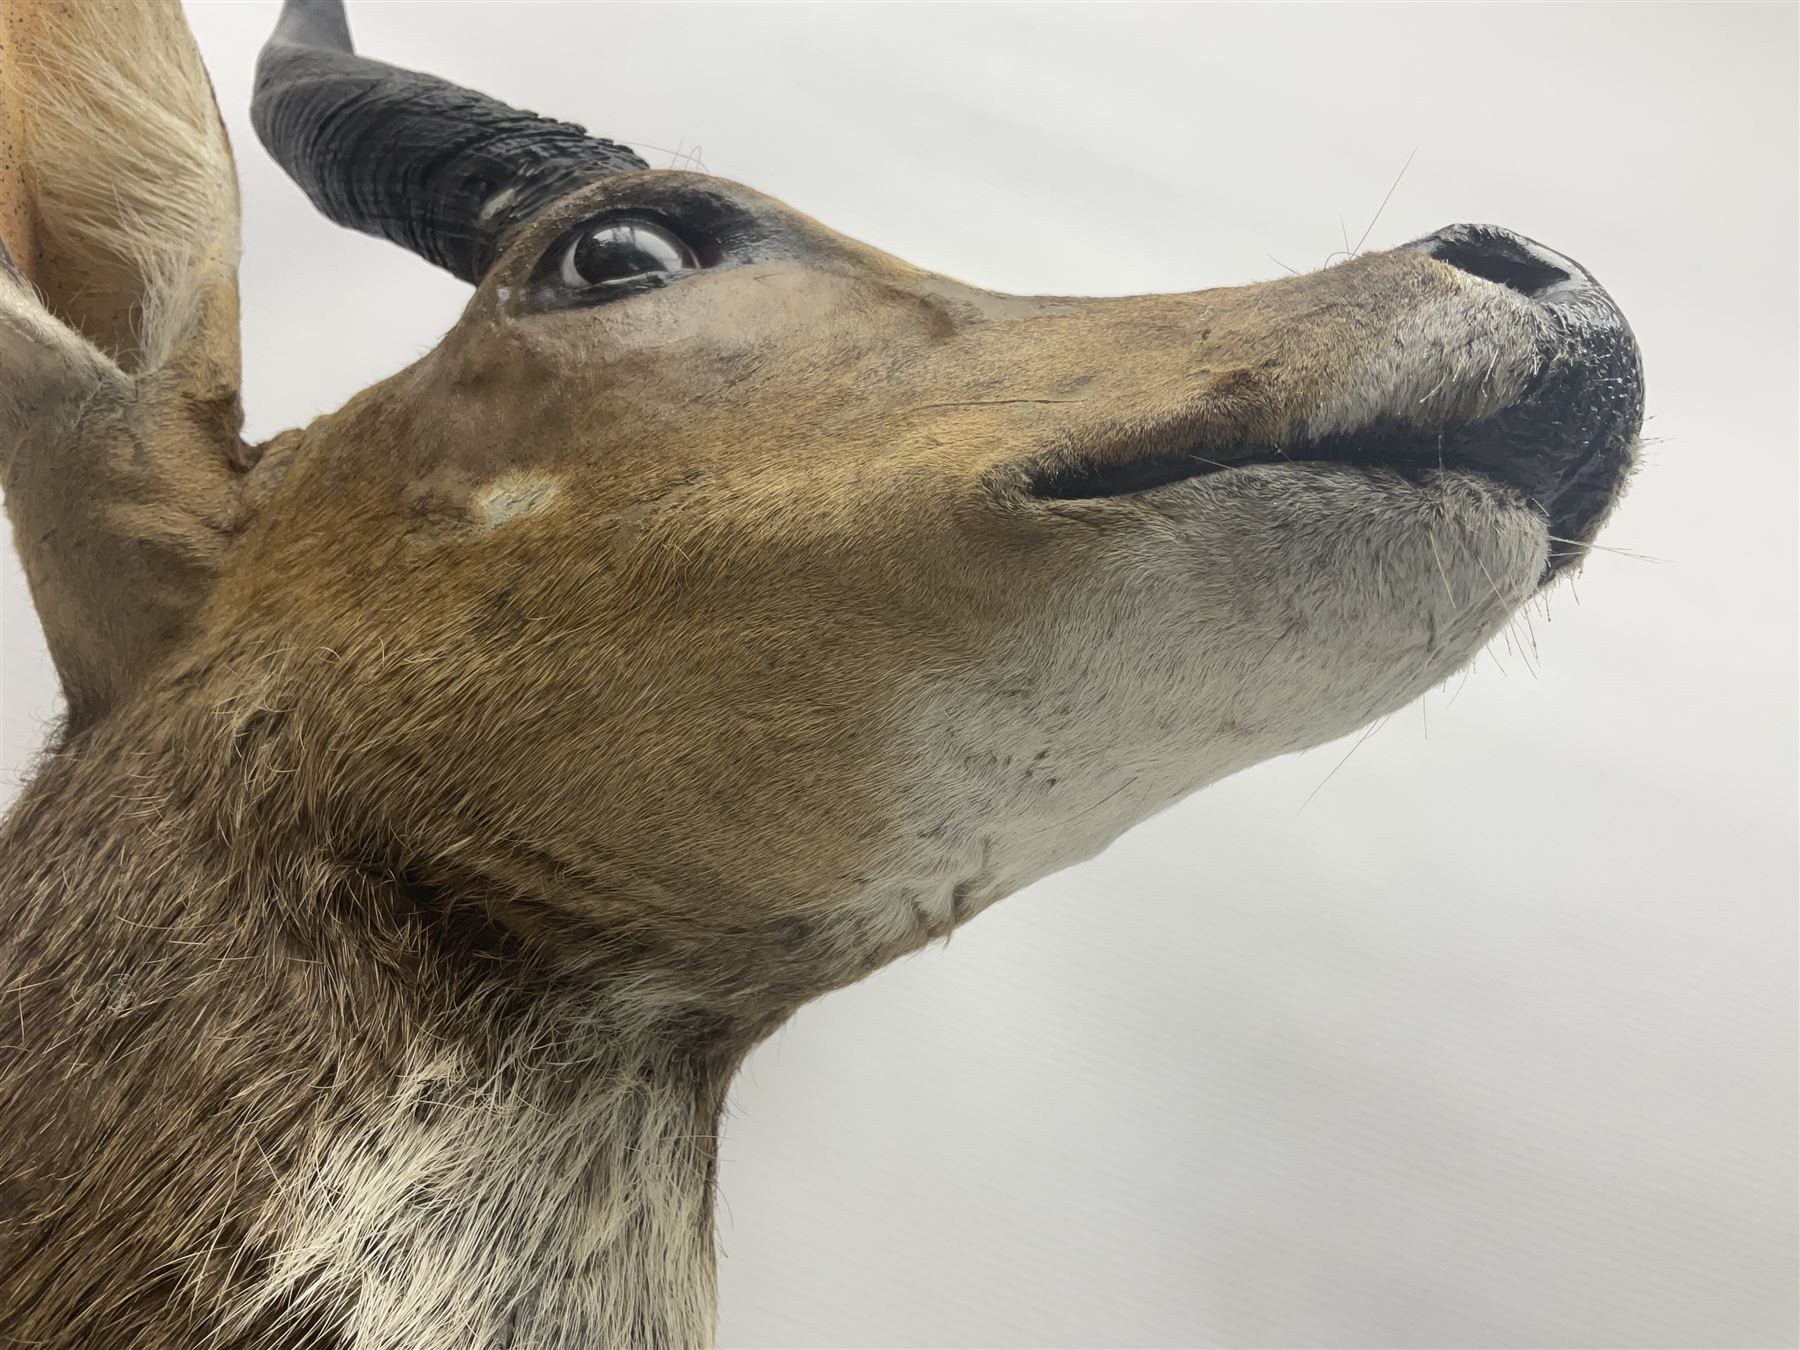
x,y
721,591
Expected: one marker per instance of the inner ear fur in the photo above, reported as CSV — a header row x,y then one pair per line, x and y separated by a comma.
x,y
120,453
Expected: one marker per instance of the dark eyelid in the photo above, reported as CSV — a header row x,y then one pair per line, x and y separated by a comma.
x,y
707,218
545,291
657,244
545,298
717,232
698,248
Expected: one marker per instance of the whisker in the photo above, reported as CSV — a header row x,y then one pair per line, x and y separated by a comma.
x,y
1530,636
1611,548
1492,584
1431,538
1468,670
1345,760
1384,201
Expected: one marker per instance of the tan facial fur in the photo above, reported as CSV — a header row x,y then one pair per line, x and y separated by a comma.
x,y
782,579
457,787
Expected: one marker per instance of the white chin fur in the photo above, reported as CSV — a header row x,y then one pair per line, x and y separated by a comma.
x,y
1237,617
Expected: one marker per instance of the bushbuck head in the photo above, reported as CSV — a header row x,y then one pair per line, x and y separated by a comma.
x,y
720,574
725,606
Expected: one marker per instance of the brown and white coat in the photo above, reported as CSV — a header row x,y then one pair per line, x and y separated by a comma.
x,y
455,789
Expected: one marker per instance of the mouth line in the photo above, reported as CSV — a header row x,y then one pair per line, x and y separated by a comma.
x,y
1564,446
1563,454
1400,450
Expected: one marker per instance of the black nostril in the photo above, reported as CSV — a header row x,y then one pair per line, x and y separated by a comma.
x,y
1526,275
1501,256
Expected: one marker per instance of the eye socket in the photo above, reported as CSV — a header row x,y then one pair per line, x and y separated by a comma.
x,y
621,250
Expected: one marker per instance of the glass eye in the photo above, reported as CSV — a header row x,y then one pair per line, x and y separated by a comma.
x,y
620,250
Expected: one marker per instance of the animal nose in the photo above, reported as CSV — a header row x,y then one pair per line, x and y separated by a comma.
x,y
1512,260
1571,437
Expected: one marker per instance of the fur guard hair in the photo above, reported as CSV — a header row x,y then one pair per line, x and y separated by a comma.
x,y
455,789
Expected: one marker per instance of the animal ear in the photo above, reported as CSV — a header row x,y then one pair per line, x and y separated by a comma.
x,y
120,456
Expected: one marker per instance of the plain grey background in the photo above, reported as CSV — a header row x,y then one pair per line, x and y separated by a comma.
x,y
1484,1035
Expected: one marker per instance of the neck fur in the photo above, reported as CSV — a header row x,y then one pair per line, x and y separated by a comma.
x,y
552,1190
323,1107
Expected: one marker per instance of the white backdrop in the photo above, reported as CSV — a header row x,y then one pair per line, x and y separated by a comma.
x,y
1490,1039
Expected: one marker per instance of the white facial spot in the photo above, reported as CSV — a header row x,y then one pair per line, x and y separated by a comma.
x,y
513,495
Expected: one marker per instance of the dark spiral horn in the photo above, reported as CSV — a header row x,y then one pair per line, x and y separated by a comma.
x,y
439,169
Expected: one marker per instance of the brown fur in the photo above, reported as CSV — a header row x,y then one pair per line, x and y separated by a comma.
x,y
458,787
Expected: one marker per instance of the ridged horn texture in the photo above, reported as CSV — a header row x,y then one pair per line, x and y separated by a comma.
x,y
438,169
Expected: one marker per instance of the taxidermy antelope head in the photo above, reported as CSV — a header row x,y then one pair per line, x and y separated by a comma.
x,y
454,789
